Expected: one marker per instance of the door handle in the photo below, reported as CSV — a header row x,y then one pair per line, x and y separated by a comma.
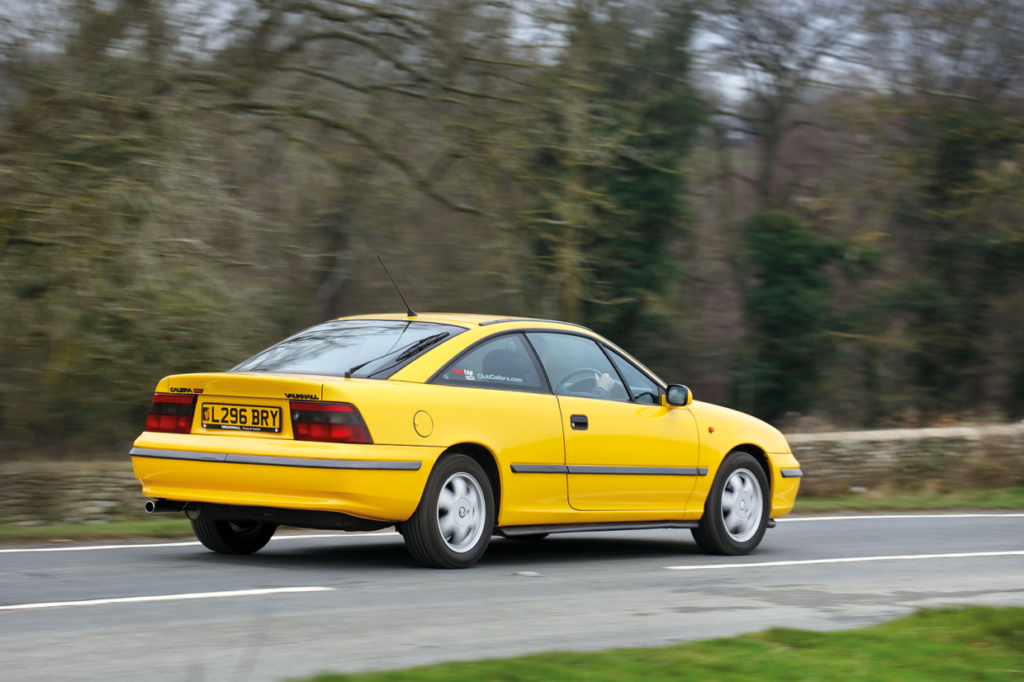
x,y
579,422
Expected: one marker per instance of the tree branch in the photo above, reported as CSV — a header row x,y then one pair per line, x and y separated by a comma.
x,y
421,183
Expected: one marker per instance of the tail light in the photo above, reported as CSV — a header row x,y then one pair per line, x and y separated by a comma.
x,y
331,422
171,413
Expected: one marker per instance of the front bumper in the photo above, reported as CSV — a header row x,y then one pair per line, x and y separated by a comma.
x,y
786,476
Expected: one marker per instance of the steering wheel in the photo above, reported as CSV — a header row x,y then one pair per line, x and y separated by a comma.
x,y
581,370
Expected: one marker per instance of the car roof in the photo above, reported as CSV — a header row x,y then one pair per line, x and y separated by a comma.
x,y
461,319
469,321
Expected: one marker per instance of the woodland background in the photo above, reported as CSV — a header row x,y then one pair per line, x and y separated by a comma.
x,y
808,210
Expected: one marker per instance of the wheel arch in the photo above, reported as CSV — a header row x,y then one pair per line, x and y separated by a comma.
x,y
486,459
759,454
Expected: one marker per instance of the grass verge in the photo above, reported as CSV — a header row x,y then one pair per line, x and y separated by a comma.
x,y
933,645
989,498
156,528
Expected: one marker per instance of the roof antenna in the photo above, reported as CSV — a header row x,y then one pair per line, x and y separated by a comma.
x,y
408,309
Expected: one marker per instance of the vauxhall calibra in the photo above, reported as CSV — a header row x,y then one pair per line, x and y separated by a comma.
x,y
454,428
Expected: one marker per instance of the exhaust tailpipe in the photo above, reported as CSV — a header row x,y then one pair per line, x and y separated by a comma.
x,y
164,506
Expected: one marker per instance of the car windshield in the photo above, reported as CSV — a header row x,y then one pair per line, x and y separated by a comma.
x,y
368,348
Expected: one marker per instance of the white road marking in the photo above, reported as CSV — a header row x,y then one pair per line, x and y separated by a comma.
x,y
846,560
898,516
89,548
164,597
94,547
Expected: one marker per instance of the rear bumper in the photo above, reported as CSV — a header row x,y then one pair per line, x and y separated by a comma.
x,y
379,482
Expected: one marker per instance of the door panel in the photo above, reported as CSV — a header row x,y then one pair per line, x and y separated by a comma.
x,y
629,456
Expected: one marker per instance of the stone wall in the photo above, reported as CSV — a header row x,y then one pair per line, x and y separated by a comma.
x,y
937,459
35,493
38,493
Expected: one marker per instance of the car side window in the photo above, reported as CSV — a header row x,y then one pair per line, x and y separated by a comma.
x,y
503,362
577,366
640,386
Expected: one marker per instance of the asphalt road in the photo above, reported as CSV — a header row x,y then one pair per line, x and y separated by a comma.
x,y
372,608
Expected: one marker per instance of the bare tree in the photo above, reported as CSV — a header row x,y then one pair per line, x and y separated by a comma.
x,y
776,53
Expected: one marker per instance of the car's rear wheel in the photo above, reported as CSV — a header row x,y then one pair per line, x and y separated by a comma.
x,y
737,508
233,537
453,523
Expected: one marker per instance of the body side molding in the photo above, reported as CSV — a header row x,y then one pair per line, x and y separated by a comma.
x,y
179,454
635,471
614,471
266,460
539,469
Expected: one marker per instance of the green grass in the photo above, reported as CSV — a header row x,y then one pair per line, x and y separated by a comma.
x,y
988,498
156,528
930,646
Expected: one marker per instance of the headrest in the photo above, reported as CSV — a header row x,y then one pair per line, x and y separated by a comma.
x,y
506,363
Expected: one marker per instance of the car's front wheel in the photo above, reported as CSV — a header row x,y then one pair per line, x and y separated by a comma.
x,y
233,537
453,523
737,508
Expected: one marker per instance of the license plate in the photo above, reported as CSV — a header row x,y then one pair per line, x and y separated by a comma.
x,y
241,417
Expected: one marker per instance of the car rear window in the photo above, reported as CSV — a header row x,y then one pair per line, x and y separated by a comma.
x,y
367,348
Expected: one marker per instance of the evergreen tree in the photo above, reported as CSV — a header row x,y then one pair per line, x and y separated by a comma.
x,y
967,259
787,314
611,195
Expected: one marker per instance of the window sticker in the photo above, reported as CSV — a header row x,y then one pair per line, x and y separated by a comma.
x,y
502,363
500,377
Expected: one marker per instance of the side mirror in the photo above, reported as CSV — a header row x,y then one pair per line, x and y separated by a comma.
x,y
678,395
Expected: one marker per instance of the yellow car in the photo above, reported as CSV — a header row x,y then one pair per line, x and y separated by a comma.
x,y
455,428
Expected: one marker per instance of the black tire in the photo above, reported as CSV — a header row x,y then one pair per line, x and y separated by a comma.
x,y
233,537
704,545
427,543
713,535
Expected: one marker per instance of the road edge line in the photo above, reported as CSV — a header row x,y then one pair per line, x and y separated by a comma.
x,y
845,560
